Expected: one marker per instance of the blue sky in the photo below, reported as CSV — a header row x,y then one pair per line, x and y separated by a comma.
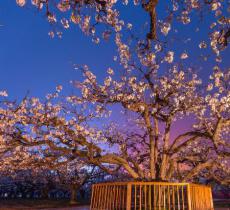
x,y
31,61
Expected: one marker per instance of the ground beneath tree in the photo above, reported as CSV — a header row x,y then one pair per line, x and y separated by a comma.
x,y
31,208
40,204
69,208
54,205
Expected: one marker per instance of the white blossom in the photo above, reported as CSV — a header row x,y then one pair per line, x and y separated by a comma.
x,y
21,3
3,93
110,71
169,57
184,56
215,5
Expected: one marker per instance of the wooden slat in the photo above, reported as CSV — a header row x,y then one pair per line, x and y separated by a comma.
x,y
168,198
140,197
92,198
150,197
135,197
128,197
189,197
210,198
178,197
182,197
123,198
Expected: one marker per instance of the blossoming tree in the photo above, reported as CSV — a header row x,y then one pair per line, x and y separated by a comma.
x,y
107,13
149,150
37,139
152,98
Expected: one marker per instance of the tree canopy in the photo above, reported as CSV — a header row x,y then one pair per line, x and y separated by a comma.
x,y
153,87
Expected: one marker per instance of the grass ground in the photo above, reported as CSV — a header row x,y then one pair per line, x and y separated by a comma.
x,y
40,204
222,204
64,205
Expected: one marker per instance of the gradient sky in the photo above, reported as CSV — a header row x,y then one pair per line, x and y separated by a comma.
x,y
31,61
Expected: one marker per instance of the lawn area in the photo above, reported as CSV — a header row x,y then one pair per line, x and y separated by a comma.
x,y
40,204
64,205
222,204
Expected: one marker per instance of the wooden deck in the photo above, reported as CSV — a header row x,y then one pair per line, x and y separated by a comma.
x,y
151,196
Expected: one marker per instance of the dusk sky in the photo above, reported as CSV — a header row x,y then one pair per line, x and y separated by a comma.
x,y
153,106
31,61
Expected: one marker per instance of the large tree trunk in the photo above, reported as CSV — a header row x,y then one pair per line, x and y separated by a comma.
x,y
165,158
196,170
45,192
73,196
114,159
156,133
151,144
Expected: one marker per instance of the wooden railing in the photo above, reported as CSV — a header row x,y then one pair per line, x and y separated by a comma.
x,y
201,197
151,196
